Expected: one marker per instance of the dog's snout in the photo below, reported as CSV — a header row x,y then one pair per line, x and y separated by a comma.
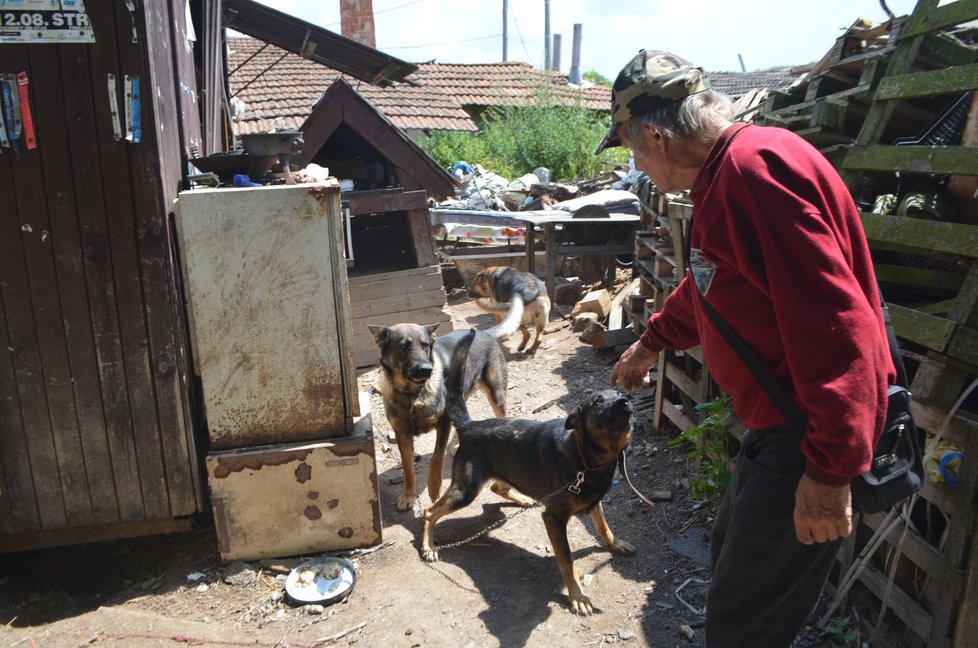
x,y
622,404
419,371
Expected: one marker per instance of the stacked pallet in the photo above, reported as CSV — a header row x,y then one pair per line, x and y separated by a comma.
x,y
893,108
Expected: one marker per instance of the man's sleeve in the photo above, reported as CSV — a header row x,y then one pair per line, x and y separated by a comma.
x,y
673,327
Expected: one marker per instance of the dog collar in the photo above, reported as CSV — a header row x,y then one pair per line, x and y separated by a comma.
x,y
580,454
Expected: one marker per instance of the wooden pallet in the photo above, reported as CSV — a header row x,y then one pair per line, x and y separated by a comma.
x,y
937,262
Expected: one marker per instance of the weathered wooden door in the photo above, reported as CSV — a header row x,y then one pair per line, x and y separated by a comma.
x,y
95,428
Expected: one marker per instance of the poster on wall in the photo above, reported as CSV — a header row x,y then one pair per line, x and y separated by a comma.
x,y
44,21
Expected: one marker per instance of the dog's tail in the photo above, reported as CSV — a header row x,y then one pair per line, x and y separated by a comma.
x,y
455,407
512,321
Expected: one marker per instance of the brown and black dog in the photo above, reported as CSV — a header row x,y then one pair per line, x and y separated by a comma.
x,y
521,295
425,380
565,464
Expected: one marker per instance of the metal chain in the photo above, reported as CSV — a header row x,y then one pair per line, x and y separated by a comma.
x,y
572,486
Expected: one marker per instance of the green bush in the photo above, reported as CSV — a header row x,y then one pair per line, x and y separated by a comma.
x,y
517,139
707,443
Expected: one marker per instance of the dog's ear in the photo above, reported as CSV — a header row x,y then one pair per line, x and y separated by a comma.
x,y
574,418
431,328
380,334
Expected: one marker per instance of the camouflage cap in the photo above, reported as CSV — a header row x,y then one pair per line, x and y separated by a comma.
x,y
651,80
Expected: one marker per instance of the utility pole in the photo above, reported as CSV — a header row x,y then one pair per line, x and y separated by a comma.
x,y
546,34
505,28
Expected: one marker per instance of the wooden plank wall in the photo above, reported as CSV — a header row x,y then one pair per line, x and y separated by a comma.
x,y
94,424
382,299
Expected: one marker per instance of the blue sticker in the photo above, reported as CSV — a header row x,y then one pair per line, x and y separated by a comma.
x,y
137,131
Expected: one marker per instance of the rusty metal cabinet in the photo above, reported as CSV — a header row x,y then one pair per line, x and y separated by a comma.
x,y
291,468
267,295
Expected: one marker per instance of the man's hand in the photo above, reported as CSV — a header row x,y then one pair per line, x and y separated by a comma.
x,y
632,370
822,512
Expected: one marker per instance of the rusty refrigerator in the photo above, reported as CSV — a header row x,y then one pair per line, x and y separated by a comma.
x,y
291,468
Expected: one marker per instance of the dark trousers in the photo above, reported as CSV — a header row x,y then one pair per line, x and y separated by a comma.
x,y
765,583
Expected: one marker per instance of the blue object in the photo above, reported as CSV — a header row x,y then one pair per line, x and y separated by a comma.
x,y
950,478
137,119
464,166
241,180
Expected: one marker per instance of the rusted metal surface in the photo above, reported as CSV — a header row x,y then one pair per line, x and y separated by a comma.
x,y
293,499
270,325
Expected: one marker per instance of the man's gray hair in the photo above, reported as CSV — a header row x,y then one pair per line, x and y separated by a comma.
x,y
696,118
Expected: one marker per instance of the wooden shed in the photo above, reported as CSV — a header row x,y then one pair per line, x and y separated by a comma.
x,y
100,432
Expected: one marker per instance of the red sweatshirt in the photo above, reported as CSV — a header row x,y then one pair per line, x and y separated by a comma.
x,y
778,249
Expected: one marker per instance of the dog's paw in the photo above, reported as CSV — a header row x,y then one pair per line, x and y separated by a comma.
x,y
405,503
429,554
622,548
580,604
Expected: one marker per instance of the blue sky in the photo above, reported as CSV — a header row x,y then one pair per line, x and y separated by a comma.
x,y
709,33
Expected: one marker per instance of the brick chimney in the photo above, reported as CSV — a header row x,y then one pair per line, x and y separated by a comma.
x,y
357,21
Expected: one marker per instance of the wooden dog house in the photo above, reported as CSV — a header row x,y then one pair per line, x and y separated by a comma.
x,y
394,273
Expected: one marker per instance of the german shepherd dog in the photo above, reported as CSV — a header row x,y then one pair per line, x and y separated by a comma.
x,y
425,381
521,295
566,465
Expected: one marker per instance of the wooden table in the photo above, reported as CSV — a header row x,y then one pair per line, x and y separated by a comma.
x,y
549,222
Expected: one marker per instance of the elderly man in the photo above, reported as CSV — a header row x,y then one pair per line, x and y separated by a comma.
x,y
777,249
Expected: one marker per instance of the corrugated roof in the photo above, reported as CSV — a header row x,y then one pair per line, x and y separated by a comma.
x,y
279,89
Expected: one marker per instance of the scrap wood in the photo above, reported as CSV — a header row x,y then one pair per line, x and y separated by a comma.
x,y
607,339
626,290
596,301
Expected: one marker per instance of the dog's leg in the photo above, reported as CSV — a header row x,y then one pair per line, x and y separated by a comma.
x,y
526,338
461,492
496,398
615,546
405,445
493,385
541,317
437,465
505,491
557,531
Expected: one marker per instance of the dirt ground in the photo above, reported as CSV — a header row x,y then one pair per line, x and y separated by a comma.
x,y
501,589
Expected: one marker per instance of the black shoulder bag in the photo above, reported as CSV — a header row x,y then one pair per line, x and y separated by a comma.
x,y
897,470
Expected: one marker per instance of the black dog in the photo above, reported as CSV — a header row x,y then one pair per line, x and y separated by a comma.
x,y
425,380
568,465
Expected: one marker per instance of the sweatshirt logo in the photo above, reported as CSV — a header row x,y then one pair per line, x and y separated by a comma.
x,y
703,270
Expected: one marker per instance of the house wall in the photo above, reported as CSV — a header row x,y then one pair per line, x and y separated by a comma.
x,y
95,427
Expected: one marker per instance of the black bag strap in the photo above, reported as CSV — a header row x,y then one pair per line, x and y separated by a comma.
x,y
901,378
775,390
785,404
